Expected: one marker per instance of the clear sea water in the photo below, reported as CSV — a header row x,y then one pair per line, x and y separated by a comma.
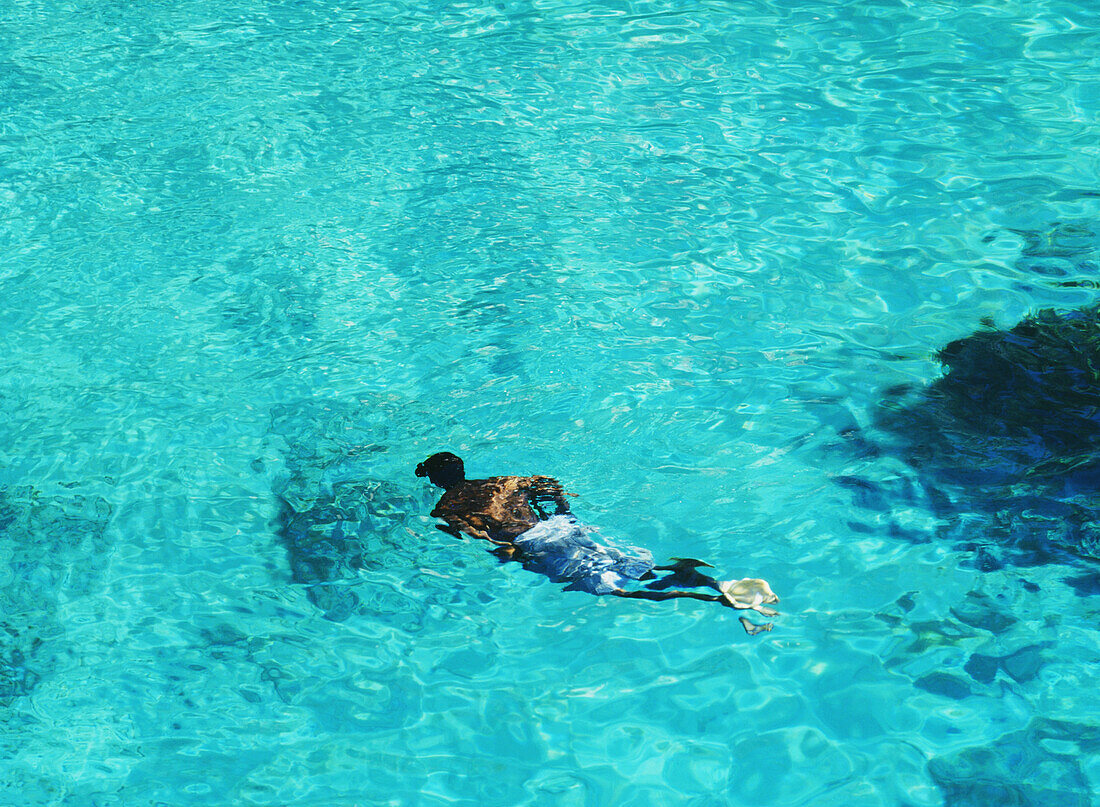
x,y
664,251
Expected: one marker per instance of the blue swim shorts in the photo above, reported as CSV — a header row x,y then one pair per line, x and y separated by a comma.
x,y
563,550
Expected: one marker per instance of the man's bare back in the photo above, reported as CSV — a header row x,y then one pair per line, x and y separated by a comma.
x,y
500,508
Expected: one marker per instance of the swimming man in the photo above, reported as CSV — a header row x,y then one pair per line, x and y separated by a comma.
x,y
513,513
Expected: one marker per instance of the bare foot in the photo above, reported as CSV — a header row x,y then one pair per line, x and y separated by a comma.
x,y
751,592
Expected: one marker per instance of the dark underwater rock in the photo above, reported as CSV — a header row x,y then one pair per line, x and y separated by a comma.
x,y
944,684
982,612
982,668
1085,585
1012,405
1021,666
1021,768
1010,430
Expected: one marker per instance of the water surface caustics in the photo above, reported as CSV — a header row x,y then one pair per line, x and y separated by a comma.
x,y
258,259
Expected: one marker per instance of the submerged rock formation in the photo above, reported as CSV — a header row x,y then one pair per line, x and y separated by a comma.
x,y
1010,430
1038,765
1017,405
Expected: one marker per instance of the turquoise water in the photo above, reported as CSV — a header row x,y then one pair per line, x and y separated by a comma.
x,y
666,252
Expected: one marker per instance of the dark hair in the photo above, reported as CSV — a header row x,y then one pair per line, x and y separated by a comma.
x,y
444,469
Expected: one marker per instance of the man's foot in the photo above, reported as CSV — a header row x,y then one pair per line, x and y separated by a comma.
x,y
749,593
683,574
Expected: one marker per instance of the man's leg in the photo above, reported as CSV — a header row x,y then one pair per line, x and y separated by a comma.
x,y
684,573
658,596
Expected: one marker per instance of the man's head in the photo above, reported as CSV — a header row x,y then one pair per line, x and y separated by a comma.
x,y
444,470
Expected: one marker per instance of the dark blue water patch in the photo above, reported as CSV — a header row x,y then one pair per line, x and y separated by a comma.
x,y
265,297
982,612
353,528
978,617
1022,665
53,546
944,684
865,493
328,440
982,668
1065,251
1086,584
338,522
1021,768
17,678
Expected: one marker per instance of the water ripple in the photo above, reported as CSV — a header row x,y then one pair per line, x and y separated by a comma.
x,y
261,258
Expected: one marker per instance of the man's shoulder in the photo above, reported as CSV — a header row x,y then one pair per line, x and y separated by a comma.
x,y
497,485
470,491
501,481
